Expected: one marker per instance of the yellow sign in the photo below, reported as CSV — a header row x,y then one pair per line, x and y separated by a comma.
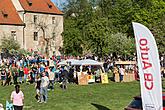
x,y
104,78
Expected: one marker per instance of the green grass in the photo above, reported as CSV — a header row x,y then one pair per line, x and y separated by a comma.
x,y
112,96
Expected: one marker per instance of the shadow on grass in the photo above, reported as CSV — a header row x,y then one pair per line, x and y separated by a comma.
x,y
111,78
100,107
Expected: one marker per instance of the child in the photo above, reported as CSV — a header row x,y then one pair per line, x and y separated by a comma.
x,y
37,86
3,76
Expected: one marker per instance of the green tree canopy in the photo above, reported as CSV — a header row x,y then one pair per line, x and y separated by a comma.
x,y
9,43
105,26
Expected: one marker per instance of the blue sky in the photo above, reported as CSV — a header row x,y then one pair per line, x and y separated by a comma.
x,y
59,3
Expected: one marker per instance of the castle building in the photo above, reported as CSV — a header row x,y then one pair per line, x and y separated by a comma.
x,y
35,24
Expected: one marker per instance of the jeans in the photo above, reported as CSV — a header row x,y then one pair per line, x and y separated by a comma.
x,y
20,79
44,94
64,84
25,77
121,77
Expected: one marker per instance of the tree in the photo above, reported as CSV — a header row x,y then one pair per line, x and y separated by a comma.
x,y
72,38
97,22
78,13
121,44
9,43
148,12
47,35
97,33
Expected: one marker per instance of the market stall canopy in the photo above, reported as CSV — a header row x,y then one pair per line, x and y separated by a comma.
x,y
87,62
125,62
65,62
62,63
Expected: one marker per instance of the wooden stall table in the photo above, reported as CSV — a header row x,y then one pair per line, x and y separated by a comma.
x,y
129,77
116,75
129,74
82,78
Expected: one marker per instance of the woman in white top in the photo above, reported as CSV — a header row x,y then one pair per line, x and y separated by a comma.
x,y
121,71
17,97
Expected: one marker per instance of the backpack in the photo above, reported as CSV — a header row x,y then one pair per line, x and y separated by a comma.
x,y
9,106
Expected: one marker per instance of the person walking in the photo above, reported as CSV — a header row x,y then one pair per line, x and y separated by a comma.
x,y
3,76
51,80
44,87
17,98
8,78
38,86
64,78
26,73
121,71
15,74
21,74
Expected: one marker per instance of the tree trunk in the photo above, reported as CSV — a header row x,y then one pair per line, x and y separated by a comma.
x,y
47,42
47,48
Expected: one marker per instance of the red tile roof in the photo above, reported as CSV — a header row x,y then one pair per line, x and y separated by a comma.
x,y
8,14
40,6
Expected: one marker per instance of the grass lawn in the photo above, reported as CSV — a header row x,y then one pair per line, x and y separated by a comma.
x,y
112,96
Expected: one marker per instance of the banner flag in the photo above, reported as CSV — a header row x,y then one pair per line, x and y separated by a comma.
x,y
149,68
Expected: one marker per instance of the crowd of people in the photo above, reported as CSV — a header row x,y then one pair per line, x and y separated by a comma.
x,y
28,69
41,71
35,70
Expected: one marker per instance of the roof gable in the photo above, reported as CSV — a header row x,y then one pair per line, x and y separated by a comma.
x,y
40,6
8,14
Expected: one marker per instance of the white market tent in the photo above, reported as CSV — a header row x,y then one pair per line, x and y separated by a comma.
x,y
87,62
62,63
65,62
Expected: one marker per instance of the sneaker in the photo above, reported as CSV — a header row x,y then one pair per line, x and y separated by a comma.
x,y
45,102
40,101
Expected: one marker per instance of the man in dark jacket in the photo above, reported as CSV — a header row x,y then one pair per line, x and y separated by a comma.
x,y
64,78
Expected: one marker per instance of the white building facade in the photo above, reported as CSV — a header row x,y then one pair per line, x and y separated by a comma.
x,y
42,25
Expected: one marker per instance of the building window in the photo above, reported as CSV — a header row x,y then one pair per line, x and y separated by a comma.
x,y
14,35
35,36
53,20
49,5
35,18
5,15
29,2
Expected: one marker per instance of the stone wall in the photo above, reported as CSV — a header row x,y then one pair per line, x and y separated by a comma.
x,y
44,20
5,31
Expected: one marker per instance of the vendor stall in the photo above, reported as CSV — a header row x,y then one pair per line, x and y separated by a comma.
x,y
88,69
68,62
128,68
